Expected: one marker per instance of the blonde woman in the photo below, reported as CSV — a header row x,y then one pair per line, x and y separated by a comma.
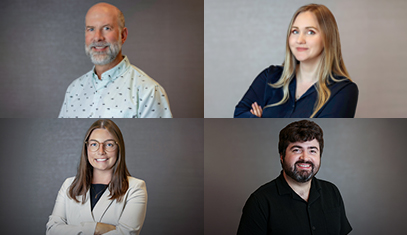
x,y
313,81
103,198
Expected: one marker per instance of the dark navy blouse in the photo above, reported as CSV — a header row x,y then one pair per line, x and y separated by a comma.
x,y
341,104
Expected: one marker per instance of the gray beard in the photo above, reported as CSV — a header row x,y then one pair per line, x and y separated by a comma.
x,y
300,176
105,57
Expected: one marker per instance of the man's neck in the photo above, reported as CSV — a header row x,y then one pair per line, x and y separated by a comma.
x,y
302,189
100,69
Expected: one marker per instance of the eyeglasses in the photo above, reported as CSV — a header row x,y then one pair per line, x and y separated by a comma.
x,y
109,145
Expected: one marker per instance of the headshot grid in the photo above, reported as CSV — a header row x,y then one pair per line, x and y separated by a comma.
x,y
326,77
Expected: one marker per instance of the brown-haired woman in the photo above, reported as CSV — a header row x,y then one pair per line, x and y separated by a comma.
x,y
103,198
313,80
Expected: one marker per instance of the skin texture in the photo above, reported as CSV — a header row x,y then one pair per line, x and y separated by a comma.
x,y
301,152
102,26
306,44
102,171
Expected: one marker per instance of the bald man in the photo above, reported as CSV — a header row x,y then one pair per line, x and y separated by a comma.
x,y
113,88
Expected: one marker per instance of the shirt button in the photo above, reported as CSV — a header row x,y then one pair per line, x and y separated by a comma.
x,y
313,227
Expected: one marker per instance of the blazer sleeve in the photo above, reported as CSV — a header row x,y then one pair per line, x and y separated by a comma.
x,y
134,211
342,104
57,223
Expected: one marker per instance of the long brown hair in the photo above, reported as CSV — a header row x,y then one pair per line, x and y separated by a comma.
x,y
331,60
83,180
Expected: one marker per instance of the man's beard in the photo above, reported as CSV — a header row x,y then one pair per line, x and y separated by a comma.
x,y
300,176
103,57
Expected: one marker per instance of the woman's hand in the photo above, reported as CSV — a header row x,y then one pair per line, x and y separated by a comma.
x,y
256,110
102,228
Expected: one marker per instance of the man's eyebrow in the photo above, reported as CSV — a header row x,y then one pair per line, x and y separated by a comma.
x,y
295,146
313,147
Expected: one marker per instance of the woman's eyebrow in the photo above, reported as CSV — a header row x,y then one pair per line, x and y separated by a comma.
x,y
308,27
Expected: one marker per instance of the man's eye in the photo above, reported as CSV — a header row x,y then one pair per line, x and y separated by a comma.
x,y
296,150
89,29
107,28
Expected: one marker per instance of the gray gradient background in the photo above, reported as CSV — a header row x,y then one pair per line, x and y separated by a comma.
x,y
243,37
364,158
38,154
42,52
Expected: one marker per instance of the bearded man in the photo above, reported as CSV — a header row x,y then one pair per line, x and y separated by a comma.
x,y
113,88
296,202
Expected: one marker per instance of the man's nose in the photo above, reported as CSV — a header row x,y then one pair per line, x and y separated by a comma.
x,y
99,36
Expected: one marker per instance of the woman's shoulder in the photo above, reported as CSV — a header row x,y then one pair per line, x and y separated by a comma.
x,y
342,83
134,182
271,74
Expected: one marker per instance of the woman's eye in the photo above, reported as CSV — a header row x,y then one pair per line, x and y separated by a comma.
x,y
294,31
93,144
311,32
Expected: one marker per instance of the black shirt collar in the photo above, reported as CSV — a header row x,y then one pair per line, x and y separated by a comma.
x,y
283,188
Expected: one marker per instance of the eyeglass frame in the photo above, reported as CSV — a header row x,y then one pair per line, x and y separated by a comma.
x,y
104,145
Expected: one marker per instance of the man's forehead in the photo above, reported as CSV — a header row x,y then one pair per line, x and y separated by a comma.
x,y
305,144
101,15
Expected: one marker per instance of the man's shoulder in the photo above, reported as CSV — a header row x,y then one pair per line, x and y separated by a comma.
x,y
266,189
82,79
142,78
326,186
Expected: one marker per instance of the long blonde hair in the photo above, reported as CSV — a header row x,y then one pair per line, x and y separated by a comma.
x,y
331,58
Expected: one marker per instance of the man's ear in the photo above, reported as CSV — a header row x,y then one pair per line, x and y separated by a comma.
x,y
124,34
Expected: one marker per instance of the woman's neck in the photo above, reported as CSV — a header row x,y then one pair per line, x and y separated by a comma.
x,y
102,177
307,73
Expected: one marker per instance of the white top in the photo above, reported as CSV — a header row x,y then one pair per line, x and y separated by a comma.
x,y
72,218
123,92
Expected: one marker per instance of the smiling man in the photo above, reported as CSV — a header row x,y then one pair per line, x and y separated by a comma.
x,y
296,202
113,88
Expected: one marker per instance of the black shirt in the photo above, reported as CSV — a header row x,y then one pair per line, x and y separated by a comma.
x,y
275,208
96,191
341,104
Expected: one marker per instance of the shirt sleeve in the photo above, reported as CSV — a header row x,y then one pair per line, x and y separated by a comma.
x,y
132,218
254,218
346,228
153,103
342,104
57,223
254,94
62,112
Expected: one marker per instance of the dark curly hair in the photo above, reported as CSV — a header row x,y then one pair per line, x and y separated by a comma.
x,y
300,131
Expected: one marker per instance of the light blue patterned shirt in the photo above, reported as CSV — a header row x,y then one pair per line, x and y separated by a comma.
x,y
123,92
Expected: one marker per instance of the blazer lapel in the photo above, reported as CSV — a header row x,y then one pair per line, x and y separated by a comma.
x,y
85,211
101,206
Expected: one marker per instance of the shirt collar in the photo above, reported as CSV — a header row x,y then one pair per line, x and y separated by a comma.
x,y
111,74
284,188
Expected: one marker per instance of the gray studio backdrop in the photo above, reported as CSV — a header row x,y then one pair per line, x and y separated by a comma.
x,y
38,154
42,52
364,158
244,37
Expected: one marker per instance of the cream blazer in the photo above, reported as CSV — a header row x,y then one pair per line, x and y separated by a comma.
x,y
70,217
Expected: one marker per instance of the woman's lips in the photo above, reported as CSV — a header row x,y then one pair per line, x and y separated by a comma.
x,y
301,49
